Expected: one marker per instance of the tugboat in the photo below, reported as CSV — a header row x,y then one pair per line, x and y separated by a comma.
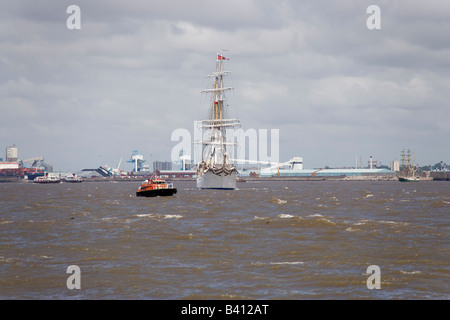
x,y
216,169
155,187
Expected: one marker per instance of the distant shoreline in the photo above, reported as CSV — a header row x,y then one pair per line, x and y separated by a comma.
x,y
424,176
139,179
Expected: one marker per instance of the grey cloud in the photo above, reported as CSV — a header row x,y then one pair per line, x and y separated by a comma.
x,y
310,68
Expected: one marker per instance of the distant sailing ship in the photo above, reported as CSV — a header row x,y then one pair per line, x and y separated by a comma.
x,y
408,168
216,170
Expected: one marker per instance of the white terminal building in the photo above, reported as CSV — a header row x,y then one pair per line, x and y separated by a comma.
x,y
294,168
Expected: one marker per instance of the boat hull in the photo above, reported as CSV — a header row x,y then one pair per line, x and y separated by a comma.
x,y
156,193
408,179
72,180
209,180
46,181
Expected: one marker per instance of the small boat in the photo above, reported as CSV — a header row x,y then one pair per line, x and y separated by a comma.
x,y
156,187
72,179
47,179
408,179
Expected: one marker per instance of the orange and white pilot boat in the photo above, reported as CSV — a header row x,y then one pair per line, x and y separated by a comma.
x,y
155,187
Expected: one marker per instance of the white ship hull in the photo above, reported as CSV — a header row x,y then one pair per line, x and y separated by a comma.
x,y
209,180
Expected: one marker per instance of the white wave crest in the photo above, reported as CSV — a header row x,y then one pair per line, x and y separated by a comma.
x,y
278,201
287,262
172,216
285,216
410,272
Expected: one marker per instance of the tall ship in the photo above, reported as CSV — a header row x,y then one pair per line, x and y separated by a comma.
x,y
407,168
215,169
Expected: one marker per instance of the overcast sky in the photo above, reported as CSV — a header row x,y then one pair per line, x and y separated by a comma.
x,y
133,74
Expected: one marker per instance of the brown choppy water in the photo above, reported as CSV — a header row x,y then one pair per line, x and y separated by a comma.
x,y
276,240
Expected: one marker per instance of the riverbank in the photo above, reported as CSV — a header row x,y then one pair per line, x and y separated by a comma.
x,y
429,176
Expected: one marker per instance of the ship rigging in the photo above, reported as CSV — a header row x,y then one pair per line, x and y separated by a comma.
x,y
216,169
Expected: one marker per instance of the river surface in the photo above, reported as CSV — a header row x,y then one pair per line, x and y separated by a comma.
x,y
266,240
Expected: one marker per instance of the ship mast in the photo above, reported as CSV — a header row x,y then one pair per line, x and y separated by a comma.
x,y
216,170
413,166
216,151
218,90
403,165
218,99
407,167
